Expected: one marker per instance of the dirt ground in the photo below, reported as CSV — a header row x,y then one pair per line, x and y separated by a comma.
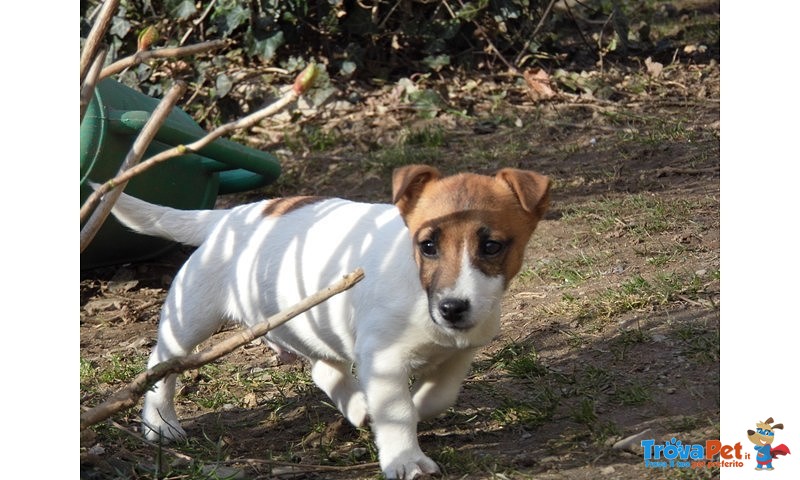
x,y
610,330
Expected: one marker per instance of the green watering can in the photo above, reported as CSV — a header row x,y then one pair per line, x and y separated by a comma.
x,y
113,119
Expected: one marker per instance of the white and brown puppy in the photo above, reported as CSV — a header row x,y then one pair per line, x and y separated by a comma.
x,y
436,265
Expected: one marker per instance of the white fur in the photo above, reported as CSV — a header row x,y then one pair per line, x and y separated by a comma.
x,y
249,266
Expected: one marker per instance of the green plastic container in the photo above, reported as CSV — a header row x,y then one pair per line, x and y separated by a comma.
x,y
113,119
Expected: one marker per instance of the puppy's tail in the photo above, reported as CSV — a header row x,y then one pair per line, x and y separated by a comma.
x,y
190,227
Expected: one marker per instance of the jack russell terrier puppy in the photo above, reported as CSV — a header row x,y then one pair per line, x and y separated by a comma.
x,y
436,265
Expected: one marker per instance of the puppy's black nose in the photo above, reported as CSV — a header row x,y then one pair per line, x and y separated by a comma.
x,y
454,310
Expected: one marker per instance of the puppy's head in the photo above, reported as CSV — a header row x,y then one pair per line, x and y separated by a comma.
x,y
469,233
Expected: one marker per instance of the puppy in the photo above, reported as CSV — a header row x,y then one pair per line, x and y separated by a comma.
x,y
436,265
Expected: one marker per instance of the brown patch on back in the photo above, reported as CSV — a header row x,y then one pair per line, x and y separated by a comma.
x,y
282,206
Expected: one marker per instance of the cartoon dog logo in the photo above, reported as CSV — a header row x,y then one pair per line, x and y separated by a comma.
x,y
763,437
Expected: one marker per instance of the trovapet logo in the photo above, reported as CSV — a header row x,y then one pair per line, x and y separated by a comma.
x,y
715,454
675,454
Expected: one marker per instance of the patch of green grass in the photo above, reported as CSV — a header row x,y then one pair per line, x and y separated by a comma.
x,y
638,293
87,373
664,255
463,463
634,294
520,362
111,369
622,343
591,381
426,137
460,462
567,272
536,411
214,385
313,138
638,214
649,129
584,413
631,394
699,342
213,398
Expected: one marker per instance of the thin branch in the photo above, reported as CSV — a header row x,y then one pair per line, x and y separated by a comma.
x,y
129,395
87,89
96,35
577,26
197,22
145,55
535,32
179,150
480,31
295,468
135,154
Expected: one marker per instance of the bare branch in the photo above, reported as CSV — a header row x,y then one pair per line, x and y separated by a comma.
x,y
129,395
87,89
532,36
142,56
179,150
135,154
96,35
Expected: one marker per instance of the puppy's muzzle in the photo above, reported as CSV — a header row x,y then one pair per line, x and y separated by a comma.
x,y
455,311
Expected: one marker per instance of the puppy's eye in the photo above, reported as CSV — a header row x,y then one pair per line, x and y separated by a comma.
x,y
428,248
490,248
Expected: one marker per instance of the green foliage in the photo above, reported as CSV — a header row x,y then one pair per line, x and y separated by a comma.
x,y
374,37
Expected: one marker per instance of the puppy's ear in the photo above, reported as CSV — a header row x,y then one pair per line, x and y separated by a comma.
x,y
532,189
779,426
408,183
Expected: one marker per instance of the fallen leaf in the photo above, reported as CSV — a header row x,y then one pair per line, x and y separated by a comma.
x,y
654,69
538,84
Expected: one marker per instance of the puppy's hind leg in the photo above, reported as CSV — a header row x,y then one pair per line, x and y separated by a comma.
x,y
181,328
337,381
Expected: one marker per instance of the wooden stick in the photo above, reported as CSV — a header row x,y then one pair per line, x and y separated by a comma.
x,y
166,52
129,395
179,150
87,89
135,154
95,37
535,32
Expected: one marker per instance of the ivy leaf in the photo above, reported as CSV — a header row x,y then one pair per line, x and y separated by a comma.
x,y
223,84
119,27
184,10
237,16
427,103
267,47
436,62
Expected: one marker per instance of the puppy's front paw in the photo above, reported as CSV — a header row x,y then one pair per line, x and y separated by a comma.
x,y
164,431
356,410
408,467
